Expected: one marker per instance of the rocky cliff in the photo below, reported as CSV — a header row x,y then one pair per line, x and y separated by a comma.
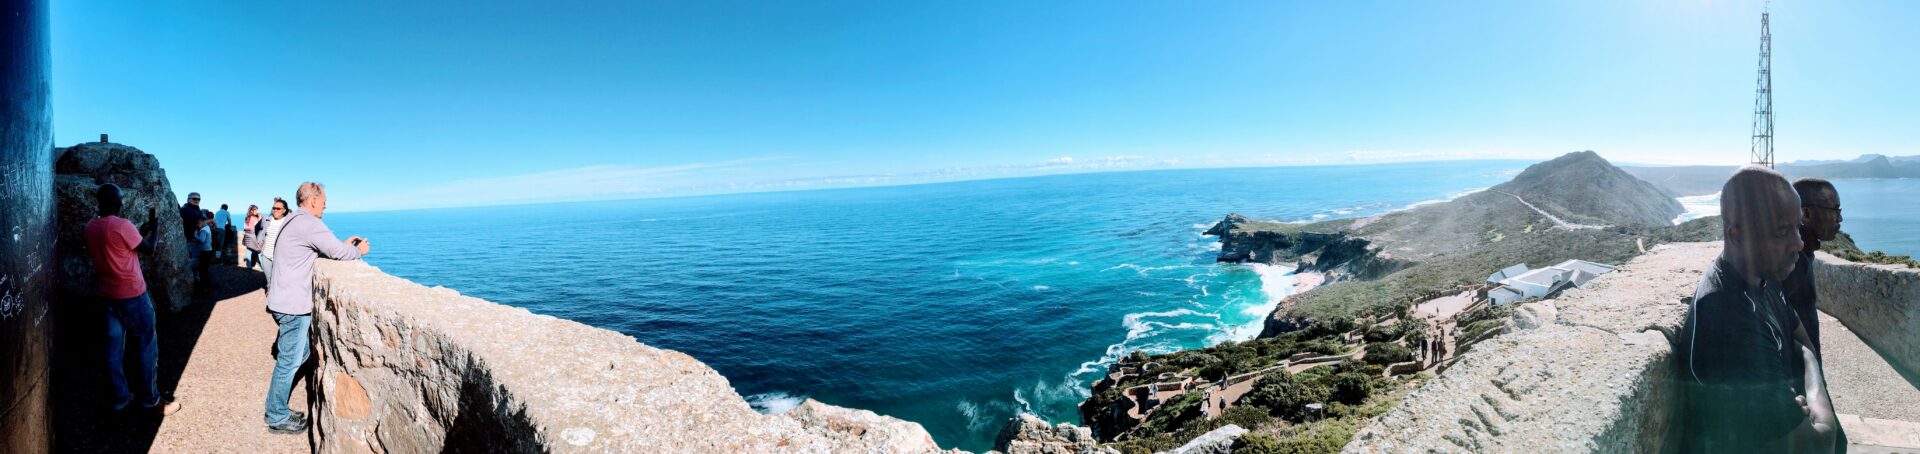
x,y
78,171
406,368
1028,434
1335,253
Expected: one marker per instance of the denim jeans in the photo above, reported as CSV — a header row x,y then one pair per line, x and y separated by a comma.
x,y
290,350
132,317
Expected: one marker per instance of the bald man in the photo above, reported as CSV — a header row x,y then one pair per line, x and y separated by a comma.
x,y
1820,221
1750,379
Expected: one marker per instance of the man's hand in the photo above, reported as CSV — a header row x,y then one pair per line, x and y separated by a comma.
x,y
360,243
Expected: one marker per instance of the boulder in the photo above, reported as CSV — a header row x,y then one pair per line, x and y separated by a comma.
x,y
1216,441
1028,434
78,171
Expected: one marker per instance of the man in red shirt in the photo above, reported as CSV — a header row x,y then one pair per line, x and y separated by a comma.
x,y
113,244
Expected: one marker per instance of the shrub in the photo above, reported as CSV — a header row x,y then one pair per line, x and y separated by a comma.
x,y
1284,396
1173,414
1350,388
1387,353
1194,359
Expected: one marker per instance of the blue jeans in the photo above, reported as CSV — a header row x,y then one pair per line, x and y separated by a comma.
x,y
132,317
290,350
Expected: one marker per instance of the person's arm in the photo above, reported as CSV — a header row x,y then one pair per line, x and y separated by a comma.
x,y
1819,432
148,240
253,241
328,245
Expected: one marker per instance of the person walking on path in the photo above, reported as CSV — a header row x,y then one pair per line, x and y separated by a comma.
x,y
114,245
262,237
302,239
222,225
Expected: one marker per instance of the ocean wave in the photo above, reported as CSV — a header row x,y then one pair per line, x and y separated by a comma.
x,y
1697,207
774,403
1041,288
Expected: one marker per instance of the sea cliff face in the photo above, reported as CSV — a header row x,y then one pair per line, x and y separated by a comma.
x,y
1335,253
406,368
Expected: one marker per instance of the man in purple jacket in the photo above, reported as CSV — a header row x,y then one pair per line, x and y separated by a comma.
x,y
302,240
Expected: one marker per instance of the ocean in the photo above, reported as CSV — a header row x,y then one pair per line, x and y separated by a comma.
x,y
953,305
1880,214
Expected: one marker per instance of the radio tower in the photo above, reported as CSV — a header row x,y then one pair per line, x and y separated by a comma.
x,y
1762,149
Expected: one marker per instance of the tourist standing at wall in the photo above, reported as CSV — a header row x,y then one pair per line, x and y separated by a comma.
x,y
1820,221
204,240
251,226
1750,379
222,223
302,239
262,238
114,246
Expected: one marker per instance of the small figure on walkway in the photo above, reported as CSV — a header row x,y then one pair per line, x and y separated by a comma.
x,y
203,254
114,246
251,226
1750,379
263,235
302,239
222,224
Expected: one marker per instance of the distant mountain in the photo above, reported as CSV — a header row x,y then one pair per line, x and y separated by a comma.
x,y
1583,185
1702,180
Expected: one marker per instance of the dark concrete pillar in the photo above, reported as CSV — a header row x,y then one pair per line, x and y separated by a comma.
x,y
26,228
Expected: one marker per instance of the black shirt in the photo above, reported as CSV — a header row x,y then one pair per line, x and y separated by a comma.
x,y
1802,296
1739,365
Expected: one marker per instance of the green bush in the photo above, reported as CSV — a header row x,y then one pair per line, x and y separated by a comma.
x,y
1384,353
1169,417
1285,396
1350,388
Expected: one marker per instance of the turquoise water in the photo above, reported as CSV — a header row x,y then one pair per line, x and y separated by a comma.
x,y
1882,215
952,305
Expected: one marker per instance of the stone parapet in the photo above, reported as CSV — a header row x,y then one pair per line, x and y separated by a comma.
x,y
1879,303
406,368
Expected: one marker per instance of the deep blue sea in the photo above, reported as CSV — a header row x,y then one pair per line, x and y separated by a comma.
x,y
953,305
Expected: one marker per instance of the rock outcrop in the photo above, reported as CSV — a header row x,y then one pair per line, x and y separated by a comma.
x,y
1216,441
1028,434
1589,371
1879,303
406,368
78,171
1336,254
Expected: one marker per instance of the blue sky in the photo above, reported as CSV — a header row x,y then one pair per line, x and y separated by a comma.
x,y
427,104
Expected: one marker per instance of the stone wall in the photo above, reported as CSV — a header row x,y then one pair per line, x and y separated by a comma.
x,y
1587,371
406,368
1879,303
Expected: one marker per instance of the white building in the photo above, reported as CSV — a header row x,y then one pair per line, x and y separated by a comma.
x,y
1539,283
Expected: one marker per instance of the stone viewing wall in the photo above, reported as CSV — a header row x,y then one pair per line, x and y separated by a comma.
x,y
1879,303
1588,371
406,368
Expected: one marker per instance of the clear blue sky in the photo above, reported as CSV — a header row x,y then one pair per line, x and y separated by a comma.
x,y
423,104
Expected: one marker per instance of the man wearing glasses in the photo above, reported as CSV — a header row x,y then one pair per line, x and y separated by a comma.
x,y
1820,221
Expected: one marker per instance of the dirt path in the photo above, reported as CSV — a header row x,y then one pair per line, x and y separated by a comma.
x,y
1557,223
215,358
